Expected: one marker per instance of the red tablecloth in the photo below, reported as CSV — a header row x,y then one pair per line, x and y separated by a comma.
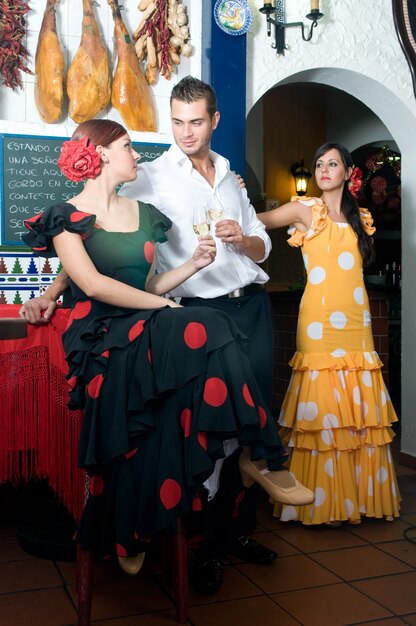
x,y
38,434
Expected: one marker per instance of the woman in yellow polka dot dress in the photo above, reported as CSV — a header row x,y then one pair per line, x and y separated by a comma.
x,y
337,414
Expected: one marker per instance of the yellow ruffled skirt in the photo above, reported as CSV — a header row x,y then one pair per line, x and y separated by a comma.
x,y
337,419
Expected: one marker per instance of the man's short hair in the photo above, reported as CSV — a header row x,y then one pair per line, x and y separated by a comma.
x,y
191,89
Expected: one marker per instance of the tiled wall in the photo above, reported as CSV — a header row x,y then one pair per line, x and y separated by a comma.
x,y
285,318
24,276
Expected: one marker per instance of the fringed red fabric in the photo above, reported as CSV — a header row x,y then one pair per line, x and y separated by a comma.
x,y
38,434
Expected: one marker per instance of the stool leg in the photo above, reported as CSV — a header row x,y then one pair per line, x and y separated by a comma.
x,y
180,573
166,548
85,565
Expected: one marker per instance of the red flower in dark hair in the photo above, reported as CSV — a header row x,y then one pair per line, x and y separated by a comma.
x,y
355,182
79,160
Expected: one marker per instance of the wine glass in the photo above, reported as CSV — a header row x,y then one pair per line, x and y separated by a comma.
x,y
215,210
215,213
200,221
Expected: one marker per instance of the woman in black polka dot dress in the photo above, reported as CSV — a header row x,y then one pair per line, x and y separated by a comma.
x,y
161,389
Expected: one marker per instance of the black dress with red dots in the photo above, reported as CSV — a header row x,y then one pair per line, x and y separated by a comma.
x,y
161,389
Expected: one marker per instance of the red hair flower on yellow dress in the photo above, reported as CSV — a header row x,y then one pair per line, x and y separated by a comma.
x,y
79,160
355,182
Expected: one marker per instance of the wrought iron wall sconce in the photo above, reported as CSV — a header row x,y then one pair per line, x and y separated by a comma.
x,y
279,22
301,176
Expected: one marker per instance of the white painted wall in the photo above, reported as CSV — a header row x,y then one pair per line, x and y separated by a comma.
x,y
355,49
18,113
351,123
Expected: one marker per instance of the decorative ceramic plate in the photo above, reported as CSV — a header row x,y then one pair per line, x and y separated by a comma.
x,y
234,17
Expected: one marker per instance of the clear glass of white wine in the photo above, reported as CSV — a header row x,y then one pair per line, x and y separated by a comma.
x,y
215,210
200,222
215,213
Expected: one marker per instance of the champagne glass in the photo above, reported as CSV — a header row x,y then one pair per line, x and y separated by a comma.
x,y
215,213
215,209
200,221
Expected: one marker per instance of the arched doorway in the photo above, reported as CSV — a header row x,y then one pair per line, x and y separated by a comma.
x,y
401,124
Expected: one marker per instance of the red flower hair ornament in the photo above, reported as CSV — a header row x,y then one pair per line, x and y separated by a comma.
x,y
79,160
355,182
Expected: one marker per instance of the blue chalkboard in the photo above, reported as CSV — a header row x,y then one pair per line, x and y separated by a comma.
x,y
31,180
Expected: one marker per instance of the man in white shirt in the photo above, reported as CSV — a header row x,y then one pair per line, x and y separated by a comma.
x,y
189,175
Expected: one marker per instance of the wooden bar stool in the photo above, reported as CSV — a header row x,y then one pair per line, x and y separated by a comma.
x,y
174,559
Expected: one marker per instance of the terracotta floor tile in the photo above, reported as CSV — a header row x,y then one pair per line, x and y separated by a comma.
x,y
359,563
404,550
245,612
125,597
396,593
266,520
394,621
402,470
272,541
409,518
11,551
320,538
407,483
408,504
45,607
304,582
149,619
291,572
25,575
333,605
377,530
102,570
235,586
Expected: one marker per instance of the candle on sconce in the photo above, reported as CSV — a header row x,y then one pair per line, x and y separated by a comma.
x,y
314,5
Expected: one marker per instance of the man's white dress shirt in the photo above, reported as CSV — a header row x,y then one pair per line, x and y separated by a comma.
x,y
173,186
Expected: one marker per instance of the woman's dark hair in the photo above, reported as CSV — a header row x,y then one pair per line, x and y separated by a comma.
x,y
349,206
191,89
99,132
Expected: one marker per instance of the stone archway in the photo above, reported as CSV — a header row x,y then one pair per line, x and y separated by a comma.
x,y
401,123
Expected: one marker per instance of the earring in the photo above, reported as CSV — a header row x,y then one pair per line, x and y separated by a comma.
x,y
105,159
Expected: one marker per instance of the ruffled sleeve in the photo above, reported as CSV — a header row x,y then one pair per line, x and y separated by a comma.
x,y
154,222
53,221
367,221
318,221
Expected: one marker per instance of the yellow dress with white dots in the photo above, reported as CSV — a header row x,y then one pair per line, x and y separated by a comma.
x,y
337,415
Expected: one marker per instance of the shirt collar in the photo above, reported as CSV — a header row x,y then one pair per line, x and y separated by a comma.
x,y
221,164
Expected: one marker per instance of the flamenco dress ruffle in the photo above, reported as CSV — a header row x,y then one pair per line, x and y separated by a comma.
x,y
161,390
340,451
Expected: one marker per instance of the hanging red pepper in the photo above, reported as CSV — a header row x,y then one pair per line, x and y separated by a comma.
x,y
13,54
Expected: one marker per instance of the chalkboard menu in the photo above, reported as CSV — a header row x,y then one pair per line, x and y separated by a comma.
x,y
32,181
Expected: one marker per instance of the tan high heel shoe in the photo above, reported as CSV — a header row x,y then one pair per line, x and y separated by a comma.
x,y
280,485
131,564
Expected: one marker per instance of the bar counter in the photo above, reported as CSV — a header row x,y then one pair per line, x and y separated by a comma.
x,y
39,435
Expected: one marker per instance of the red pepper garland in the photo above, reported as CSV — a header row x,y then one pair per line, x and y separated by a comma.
x,y
13,54
162,36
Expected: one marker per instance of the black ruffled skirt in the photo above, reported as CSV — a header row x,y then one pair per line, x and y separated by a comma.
x,y
161,390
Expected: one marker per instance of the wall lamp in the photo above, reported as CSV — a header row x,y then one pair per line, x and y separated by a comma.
x,y
301,176
279,22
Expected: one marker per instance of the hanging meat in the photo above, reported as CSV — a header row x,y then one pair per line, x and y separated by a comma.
x,y
88,82
130,93
49,68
